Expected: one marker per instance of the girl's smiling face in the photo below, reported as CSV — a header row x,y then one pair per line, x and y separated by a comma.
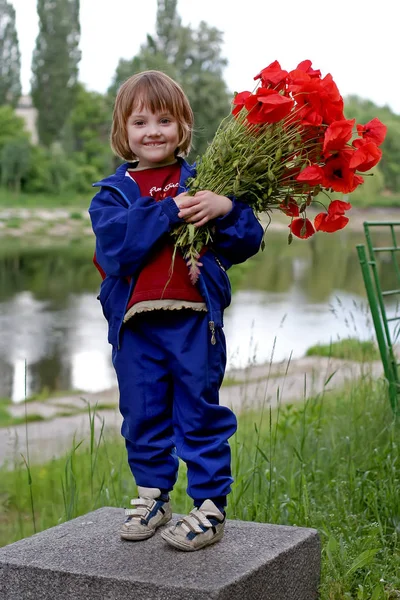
x,y
153,137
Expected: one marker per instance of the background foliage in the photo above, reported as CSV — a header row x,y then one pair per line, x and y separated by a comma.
x,y
73,122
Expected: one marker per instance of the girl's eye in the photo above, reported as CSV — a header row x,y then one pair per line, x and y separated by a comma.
x,y
139,123
163,121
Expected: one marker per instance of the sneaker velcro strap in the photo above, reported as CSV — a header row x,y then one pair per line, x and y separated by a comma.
x,y
193,522
131,512
141,511
146,502
201,517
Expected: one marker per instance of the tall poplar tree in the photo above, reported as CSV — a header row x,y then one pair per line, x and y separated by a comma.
x,y
10,58
55,66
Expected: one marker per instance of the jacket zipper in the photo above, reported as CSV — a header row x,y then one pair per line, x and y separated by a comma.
x,y
219,263
211,322
211,325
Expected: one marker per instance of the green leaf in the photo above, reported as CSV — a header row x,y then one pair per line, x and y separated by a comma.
x,y
377,593
191,231
362,560
330,377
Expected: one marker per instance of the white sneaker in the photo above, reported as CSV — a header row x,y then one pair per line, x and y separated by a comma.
x,y
148,513
202,527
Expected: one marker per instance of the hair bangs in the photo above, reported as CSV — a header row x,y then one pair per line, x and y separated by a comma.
x,y
152,96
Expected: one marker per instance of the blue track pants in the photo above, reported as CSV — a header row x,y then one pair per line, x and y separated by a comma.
x,y
169,375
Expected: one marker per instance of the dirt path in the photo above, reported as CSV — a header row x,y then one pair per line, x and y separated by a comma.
x,y
256,386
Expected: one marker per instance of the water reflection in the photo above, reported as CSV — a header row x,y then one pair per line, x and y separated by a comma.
x,y
264,326
285,299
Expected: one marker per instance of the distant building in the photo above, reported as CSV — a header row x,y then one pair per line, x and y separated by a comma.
x,y
28,112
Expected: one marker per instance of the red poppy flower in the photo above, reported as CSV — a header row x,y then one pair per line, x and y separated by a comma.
x,y
338,175
338,207
302,228
273,76
307,97
267,106
330,223
334,219
365,157
239,101
290,208
296,79
319,100
305,66
331,100
373,131
313,175
358,142
338,134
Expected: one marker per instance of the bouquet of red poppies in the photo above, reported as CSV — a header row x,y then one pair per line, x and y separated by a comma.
x,y
285,144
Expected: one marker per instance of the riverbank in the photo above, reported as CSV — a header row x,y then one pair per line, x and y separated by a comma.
x,y
251,389
58,225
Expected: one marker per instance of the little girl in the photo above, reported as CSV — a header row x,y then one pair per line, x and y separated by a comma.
x,y
168,343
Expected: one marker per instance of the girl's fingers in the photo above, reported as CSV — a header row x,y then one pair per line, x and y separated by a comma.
x,y
189,202
202,222
188,213
200,217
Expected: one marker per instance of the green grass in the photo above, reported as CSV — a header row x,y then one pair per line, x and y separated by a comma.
x,y
349,349
14,223
65,410
382,200
75,215
10,199
46,393
7,420
331,462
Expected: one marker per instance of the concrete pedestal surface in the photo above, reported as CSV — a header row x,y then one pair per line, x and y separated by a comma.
x,y
84,559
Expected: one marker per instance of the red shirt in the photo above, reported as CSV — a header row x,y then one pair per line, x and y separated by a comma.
x,y
161,277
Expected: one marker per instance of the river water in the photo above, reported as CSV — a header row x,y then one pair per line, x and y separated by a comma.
x,y
287,298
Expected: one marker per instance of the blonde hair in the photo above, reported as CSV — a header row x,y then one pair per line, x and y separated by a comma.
x,y
157,92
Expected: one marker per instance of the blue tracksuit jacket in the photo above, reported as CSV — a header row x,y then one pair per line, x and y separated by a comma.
x,y
169,366
128,226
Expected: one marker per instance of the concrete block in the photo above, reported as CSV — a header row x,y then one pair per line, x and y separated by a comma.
x,y
84,559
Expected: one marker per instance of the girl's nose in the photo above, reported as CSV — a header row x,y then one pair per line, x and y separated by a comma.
x,y
154,130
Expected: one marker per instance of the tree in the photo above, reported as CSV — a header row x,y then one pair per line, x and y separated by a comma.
x,y
55,66
191,57
15,163
11,126
89,130
10,58
15,148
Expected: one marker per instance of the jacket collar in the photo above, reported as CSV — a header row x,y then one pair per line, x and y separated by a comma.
x,y
120,177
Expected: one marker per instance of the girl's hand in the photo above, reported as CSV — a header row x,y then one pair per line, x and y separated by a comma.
x,y
204,206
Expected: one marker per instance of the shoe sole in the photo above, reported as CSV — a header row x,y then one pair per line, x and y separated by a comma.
x,y
145,535
180,545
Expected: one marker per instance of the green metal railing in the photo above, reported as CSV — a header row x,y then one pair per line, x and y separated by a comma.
x,y
376,297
